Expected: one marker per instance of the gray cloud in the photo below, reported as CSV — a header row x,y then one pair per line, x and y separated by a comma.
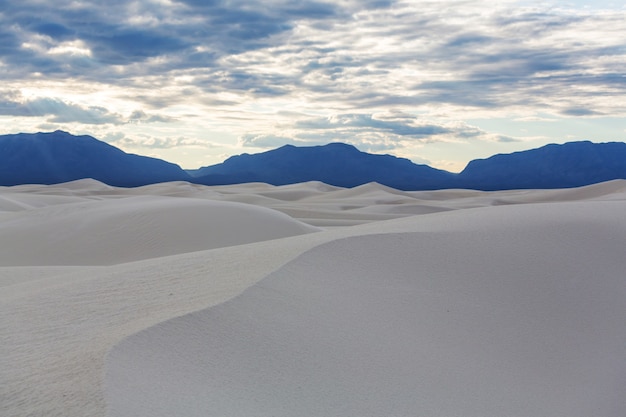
x,y
12,103
579,111
124,45
367,121
139,116
147,38
57,111
371,132
62,112
184,34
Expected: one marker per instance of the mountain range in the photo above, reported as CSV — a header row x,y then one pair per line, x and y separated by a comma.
x,y
48,158
51,158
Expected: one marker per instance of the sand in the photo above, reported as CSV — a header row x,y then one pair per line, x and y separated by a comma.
x,y
311,300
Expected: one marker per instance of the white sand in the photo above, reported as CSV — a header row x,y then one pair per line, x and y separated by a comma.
x,y
489,306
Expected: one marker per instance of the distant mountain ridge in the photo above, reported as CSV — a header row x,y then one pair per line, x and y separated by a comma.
x,y
569,165
56,157
572,164
336,164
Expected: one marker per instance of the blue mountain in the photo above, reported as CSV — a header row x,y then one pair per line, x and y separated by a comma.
x,y
572,164
336,164
49,158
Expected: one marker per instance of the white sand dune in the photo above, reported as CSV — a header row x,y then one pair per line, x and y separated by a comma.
x,y
507,303
105,232
502,317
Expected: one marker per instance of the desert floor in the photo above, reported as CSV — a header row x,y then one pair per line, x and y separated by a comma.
x,y
310,300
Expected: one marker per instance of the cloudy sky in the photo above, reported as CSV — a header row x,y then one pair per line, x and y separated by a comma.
x,y
195,81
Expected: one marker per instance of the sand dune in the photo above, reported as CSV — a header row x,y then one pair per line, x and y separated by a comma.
x,y
506,303
525,318
113,231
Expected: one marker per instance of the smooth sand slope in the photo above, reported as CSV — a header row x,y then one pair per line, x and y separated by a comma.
x,y
508,303
105,232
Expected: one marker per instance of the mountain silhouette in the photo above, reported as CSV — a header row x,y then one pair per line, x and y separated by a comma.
x,y
50,158
336,164
572,164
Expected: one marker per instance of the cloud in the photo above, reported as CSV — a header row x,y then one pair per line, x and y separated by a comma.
x,y
505,139
56,110
62,112
579,111
384,131
152,142
124,45
139,116
369,54
12,103
125,33
44,127
351,122
267,141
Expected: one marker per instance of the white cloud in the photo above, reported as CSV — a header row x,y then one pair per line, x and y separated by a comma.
x,y
76,47
152,142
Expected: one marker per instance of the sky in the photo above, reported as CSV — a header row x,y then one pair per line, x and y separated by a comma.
x,y
196,81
